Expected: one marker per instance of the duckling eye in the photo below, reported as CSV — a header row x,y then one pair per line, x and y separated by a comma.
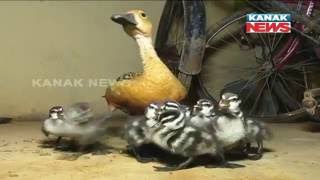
x,y
143,15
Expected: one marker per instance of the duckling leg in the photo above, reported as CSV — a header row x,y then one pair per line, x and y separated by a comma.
x,y
139,158
259,152
61,146
245,148
182,165
58,141
225,164
80,150
70,145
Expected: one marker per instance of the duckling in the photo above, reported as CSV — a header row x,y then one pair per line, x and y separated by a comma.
x,y
203,114
138,131
255,131
230,103
155,84
77,123
177,136
55,115
173,106
230,126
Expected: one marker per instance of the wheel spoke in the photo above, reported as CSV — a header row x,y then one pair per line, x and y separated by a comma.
x,y
277,43
258,97
271,97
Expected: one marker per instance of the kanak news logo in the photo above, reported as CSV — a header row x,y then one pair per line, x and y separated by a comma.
x,y
268,23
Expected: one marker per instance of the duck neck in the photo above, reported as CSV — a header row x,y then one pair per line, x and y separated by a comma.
x,y
147,52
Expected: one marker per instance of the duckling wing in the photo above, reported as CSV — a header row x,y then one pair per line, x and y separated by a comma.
x,y
84,114
78,113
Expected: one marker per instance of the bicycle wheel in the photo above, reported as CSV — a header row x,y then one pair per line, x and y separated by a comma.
x,y
242,63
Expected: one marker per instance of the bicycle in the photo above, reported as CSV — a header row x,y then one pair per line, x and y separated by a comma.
x,y
276,80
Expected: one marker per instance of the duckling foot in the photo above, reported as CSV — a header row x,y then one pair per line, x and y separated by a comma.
x,y
146,160
255,157
183,165
226,164
231,165
165,169
63,147
139,158
245,149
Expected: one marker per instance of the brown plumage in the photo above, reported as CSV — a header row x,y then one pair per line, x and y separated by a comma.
x,y
133,92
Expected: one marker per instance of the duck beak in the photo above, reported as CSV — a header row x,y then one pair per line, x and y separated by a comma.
x,y
124,19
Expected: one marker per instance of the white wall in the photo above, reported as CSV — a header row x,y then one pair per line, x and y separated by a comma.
x,y
66,39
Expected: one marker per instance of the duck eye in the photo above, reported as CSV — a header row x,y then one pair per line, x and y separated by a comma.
x,y
143,15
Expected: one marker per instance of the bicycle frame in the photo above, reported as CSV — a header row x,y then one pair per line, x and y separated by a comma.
x,y
284,56
195,33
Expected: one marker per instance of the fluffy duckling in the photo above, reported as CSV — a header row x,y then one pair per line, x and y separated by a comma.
x,y
177,136
255,131
230,103
230,126
76,123
155,84
55,115
203,114
138,131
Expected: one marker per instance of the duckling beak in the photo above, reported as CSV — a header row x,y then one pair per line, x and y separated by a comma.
x,y
223,104
124,19
196,108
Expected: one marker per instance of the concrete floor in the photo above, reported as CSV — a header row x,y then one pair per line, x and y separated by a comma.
x,y
294,154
